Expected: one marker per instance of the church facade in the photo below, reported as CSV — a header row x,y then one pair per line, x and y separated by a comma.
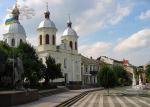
x,y
66,53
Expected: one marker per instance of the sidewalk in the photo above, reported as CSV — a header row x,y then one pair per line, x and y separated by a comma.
x,y
56,99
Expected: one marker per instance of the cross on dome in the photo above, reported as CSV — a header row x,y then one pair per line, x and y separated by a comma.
x,y
47,13
69,23
15,11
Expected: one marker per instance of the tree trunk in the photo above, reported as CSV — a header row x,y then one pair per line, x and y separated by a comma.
x,y
46,81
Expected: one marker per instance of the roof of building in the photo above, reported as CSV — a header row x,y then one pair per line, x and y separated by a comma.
x,y
86,60
15,28
69,32
47,23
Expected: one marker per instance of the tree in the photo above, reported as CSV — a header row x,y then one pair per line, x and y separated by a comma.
x,y
5,47
106,77
53,70
5,66
121,75
32,64
3,60
148,72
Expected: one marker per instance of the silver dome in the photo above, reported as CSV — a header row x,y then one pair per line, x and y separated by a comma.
x,y
69,31
15,28
47,23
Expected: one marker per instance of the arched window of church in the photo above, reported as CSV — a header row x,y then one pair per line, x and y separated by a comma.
x,y
76,46
71,45
13,42
20,40
40,40
65,63
53,40
5,40
47,39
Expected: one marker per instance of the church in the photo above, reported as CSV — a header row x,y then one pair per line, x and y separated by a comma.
x,y
66,53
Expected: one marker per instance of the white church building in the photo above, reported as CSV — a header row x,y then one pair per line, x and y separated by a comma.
x,y
66,53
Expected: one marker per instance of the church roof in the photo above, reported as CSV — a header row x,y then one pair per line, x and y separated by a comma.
x,y
69,31
15,28
47,23
14,25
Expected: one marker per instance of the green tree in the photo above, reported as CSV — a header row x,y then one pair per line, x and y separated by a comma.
x,y
31,63
53,70
5,47
5,66
106,77
148,72
3,60
122,76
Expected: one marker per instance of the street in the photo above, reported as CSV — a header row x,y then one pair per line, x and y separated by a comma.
x,y
100,99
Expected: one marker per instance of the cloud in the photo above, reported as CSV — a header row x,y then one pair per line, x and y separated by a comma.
x,y
145,15
136,41
95,50
102,14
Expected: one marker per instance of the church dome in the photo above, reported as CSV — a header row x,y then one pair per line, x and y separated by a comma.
x,y
47,23
69,31
15,28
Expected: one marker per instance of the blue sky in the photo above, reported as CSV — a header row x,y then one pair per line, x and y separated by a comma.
x,y
115,28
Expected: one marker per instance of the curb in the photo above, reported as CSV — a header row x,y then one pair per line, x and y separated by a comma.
x,y
46,93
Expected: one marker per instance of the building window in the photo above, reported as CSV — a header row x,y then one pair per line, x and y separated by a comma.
x,y
71,44
20,40
75,45
65,63
86,69
53,40
47,39
13,42
90,67
5,40
40,40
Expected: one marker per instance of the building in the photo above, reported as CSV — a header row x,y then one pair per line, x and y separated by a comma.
x,y
66,53
113,62
89,69
15,32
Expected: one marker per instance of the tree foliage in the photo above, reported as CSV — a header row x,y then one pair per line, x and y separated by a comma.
x,y
3,60
111,76
123,77
148,72
106,77
53,70
32,65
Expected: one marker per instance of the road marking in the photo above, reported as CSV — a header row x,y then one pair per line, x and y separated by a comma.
x,y
132,102
101,101
86,100
142,101
91,103
121,102
111,104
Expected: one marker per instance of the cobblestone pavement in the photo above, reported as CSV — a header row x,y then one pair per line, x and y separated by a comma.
x,y
100,99
52,101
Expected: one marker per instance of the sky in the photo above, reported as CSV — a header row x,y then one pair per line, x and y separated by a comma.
x,y
119,29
